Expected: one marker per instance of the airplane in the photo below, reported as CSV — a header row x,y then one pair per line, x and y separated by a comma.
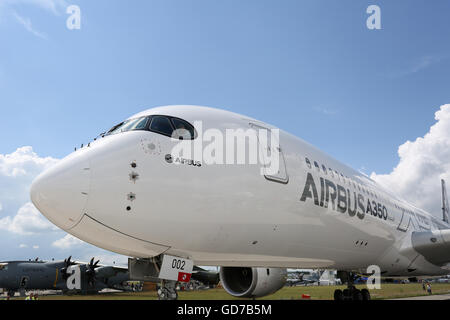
x,y
19,276
302,278
129,192
207,277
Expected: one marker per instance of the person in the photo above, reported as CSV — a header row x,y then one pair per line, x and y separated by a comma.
x,y
423,285
429,288
30,297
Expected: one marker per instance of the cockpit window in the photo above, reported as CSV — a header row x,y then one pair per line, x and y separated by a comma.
x,y
3,266
183,130
130,125
162,125
166,125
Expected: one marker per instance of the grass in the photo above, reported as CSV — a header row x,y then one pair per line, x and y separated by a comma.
x,y
387,291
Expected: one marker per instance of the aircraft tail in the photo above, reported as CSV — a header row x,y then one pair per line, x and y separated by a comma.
x,y
445,206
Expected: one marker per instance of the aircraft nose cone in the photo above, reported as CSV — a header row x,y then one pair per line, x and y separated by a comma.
x,y
61,193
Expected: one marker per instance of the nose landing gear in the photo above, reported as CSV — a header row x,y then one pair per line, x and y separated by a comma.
x,y
351,293
168,290
163,269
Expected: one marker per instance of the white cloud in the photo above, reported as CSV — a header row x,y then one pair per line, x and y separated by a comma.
x,y
418,65
86,252
27,221
9,7
423,63
423,163
17,171
67,242
26,23
54,6
24,162
23,246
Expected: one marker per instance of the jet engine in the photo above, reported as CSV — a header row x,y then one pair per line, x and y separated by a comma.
x,y
252,282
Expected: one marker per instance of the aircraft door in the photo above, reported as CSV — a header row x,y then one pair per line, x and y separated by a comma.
x,y
404,222
266,150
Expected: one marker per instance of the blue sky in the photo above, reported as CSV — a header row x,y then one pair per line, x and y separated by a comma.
x,y
309,67
312,68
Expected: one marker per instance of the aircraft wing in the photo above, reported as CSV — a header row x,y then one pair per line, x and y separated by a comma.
x,y
433,245
119,268
205,276
115,267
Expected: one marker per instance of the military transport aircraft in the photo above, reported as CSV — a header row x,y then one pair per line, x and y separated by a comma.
x,y
207,277
19,276
302,278
133,192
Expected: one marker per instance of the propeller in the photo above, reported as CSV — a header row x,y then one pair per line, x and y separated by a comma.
x,y
67,263
90,272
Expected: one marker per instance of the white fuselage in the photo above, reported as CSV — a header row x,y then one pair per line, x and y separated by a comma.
x,y
120,193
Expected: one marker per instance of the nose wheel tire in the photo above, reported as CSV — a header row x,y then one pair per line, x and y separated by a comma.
x,y
357,295
351,294
365,294
338,295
